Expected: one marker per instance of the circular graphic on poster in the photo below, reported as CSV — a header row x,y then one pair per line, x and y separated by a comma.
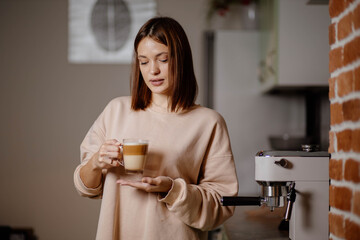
x,y
110,24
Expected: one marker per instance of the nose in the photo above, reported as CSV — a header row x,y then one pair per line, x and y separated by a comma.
x,y
154,68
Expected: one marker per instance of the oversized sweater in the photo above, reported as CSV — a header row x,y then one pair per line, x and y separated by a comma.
x,y
191,147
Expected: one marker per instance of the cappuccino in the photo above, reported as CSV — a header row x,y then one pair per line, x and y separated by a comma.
x,y
134,155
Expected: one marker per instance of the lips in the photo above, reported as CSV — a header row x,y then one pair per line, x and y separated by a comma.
x,y
156,82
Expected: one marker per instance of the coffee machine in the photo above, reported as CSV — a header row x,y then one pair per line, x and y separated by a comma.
x,y
301,180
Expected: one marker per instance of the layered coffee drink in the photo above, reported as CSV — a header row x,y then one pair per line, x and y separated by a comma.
x,y
134,155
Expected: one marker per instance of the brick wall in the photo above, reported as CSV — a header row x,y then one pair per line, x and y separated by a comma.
x,y
344,135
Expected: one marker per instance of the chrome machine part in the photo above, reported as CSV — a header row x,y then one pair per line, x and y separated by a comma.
x,y
274,193
291,196
310,147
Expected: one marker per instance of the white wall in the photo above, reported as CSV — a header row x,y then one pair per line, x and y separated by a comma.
x,y
48,106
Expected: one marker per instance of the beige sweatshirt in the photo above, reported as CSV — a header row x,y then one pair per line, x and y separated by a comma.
x,y
191,147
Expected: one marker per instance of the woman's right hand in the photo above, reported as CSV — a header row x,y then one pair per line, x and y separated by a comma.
x,y
108,155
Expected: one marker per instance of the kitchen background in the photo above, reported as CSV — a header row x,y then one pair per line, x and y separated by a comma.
x,y
48,104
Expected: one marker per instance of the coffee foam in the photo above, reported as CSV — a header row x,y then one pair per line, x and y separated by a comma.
x,y
134,143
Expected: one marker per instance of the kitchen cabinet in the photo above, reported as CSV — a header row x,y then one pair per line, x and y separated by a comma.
x,y
293,45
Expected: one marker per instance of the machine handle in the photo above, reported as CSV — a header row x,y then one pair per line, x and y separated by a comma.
x,y
240,201
291,196
282,162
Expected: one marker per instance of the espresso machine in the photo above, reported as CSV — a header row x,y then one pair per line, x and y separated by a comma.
x,y
299,179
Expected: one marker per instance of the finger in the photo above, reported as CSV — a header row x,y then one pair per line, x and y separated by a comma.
x,y
113,155
143,185
110,148
115,162
122,182
104,152
135,184
109,161
105,160
155,181
148,180
112,142
103,155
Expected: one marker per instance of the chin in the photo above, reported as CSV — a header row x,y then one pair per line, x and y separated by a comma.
x,y
159,91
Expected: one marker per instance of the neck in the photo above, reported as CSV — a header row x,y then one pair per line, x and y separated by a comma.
x,y
160,100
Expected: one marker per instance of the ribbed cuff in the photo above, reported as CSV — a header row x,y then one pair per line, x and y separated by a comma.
x,y
82,189
174,193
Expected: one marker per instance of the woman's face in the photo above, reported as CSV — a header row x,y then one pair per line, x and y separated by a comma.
x,y
153,62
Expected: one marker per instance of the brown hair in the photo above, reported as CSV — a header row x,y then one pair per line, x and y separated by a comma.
x,y
182,81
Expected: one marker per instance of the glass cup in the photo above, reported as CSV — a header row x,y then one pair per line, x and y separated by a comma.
x,y
134,152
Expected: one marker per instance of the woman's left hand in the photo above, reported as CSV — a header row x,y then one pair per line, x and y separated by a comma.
x,y
159,184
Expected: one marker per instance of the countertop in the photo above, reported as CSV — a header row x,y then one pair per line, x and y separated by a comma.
x,y
253,222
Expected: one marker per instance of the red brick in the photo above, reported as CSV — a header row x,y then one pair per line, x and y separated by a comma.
x,y
345,83
344,26
347,2
340,197
351,51
357,79
348,140
332,34
344,140
352,230
356,17
332,196
336,113
355,142
335,59
335,169
332,88
331,142
337,225
352,171
351,110
336,7
356,203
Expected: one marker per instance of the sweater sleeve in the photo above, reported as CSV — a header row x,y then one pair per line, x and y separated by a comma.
x,y
198,205
94,138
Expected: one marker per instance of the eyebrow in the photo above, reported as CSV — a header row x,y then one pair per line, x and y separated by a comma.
x,y
157,55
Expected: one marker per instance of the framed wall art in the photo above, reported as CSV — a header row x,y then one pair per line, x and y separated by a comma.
x,y
103,31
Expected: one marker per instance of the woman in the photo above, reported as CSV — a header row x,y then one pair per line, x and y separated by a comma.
x,y
190,163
